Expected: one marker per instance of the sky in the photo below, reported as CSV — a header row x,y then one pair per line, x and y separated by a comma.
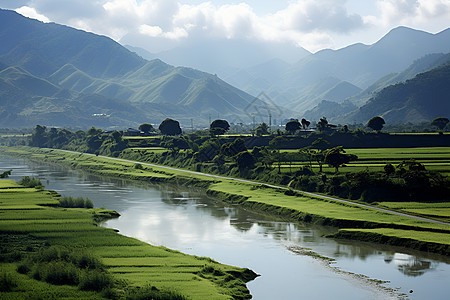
x,y
158,25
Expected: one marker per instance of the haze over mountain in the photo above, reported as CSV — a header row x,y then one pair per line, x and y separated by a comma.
x,y
336,111
58,58
65,76
303,85
422,98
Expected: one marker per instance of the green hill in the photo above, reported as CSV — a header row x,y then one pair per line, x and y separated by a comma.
x,y
422,98
41,60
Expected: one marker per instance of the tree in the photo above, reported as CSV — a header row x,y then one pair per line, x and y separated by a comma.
x,y
376,123
305,123
146,128
170,127
316,152
262,129
440,123
233,148
336,157
292,126
245,160
39,137
219,127
322,125
220,124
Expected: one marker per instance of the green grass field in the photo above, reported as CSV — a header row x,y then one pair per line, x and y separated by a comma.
x,y
433,158
28,212
268,199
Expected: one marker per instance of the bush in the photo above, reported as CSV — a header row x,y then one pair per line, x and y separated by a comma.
x,y
31,182
7,282
79,202
59,272
95,280
150,292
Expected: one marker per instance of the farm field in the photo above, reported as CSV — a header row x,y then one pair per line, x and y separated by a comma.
x,y
438,211
255,196
30,221
433,158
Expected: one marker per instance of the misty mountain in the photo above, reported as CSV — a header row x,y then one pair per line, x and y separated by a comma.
x,y
225,57
336,114
295,85
422,98
420,65
57,68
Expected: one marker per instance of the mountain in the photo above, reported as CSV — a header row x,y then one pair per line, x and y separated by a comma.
x,y
141,52
358,64
420,65
59,67
225,57
422,98
361,64
336,114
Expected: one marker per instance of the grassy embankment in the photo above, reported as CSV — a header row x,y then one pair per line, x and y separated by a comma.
x,y
365,224
31,223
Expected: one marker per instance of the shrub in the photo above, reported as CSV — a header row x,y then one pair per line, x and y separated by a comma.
x,y
95,280
79,202
31,182
59,272
7,282
150,292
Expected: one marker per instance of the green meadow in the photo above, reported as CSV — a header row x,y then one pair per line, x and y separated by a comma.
x,y
294,206
31,223
374,159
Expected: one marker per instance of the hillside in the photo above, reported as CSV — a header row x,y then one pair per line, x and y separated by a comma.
x,y
422,98
358,64
420,65
53,58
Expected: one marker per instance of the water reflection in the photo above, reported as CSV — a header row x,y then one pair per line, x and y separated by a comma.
x,y
186,220
412,265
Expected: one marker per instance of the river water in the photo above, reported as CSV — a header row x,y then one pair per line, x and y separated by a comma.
x,y
186,220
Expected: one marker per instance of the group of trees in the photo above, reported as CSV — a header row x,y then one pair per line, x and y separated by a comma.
x,y
211,151
92,141
219,127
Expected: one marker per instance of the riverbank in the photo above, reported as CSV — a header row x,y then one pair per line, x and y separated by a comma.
x,y
292,206
54,252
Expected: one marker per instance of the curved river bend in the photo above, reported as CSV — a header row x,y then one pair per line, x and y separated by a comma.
x,y
187,221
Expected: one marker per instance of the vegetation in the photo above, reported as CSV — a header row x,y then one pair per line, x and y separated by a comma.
x,y
146,128
440,123
219,127
170,127
52,252
376,123
320,162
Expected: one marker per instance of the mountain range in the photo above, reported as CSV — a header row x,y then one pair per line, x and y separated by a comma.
x,y
55,69
57,75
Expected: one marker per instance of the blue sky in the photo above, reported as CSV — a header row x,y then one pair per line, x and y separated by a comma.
x,y
313,24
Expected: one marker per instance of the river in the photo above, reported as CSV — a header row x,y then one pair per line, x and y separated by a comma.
x,y
186,220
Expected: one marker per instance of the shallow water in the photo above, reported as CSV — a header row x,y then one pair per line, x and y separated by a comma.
x,y
186,220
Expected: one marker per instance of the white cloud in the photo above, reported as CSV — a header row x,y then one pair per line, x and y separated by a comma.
x,y
310,23
151,31
414,13
32,13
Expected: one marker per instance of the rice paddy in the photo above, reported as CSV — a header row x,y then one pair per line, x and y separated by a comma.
x,y
32,213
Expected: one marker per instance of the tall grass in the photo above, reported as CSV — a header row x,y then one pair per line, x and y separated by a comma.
x,y
75,202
